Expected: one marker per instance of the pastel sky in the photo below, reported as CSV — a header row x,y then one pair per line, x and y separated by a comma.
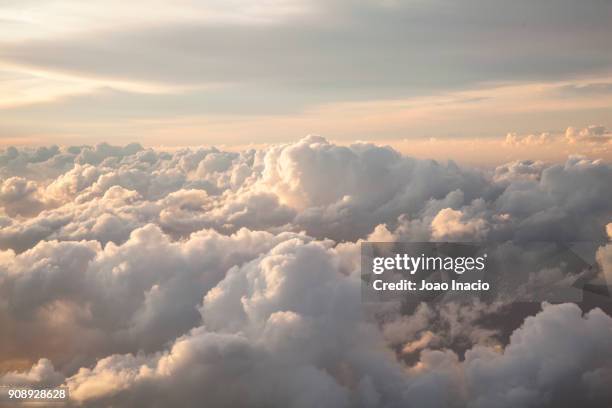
x,y
236,72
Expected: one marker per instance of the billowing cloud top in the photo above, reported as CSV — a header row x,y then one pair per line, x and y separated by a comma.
x,y
141,277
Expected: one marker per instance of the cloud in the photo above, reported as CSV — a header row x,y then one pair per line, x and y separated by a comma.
x,y
557,358
591,134
448,225
550,361
19,196
148,277
521,169
329,191
323,33
65,291
512,139
106,73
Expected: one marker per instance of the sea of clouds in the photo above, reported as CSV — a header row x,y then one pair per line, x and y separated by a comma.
x,y
201,277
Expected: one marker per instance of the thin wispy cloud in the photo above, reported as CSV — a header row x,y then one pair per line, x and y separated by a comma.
x,y
192,61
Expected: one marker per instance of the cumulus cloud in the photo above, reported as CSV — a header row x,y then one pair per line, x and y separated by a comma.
x,y
19,196
41,374
590,134
329,191
138,295
449,225
593,134
544,364
142,277
513,139
593,141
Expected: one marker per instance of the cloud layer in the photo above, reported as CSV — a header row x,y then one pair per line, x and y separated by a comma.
x,y
142,277
107,70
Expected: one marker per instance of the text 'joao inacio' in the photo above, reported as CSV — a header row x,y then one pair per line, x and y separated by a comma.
x,y
404,263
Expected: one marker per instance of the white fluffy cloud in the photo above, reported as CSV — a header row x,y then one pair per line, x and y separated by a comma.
x,y
142,277
329,191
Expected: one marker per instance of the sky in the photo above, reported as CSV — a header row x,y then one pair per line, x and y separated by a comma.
x,y
236,73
